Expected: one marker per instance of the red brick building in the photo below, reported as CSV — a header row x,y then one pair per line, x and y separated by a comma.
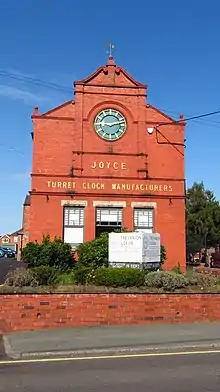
x,y
107,159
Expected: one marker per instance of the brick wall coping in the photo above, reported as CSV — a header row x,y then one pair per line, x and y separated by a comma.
x,y
101,293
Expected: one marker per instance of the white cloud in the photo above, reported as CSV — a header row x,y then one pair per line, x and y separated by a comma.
x,y
22,94
35,90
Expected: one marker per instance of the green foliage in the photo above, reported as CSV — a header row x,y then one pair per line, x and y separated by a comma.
x,y
163,255
83,275
202,280
95,253
49,253
202,217
66,278
22,277
167,280
46,275
118,277
109,277
177,270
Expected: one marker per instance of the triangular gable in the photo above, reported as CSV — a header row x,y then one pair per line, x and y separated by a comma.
x,y
101,77
5,235
163,117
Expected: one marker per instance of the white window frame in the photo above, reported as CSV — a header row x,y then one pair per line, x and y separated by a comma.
x,y
114,211
67,224
149,226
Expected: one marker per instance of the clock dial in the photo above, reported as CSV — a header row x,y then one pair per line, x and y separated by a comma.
x,y
110,124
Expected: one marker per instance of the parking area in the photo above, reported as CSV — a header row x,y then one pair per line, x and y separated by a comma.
x,y
6,265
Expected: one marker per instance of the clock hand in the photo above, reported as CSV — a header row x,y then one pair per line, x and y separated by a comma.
x,y
102,123
115,123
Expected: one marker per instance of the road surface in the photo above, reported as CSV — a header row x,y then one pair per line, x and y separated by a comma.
x,y
175,373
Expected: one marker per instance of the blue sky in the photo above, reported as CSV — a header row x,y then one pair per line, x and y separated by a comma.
x,y
172,46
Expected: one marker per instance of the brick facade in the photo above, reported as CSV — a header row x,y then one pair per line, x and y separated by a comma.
x,y
37,311
73,165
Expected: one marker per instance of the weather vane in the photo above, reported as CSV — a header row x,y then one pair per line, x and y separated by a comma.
x,y
111,48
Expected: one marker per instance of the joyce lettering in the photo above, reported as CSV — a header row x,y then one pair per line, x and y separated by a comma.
x,y
109,165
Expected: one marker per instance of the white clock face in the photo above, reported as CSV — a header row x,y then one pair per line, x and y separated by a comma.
x,y
110,124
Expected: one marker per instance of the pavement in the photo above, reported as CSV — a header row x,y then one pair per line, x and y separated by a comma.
x,y
112,340
2,349
6,265
176,373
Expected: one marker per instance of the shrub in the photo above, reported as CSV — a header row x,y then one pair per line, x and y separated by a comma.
x,y
54,253
82,274
66,278
46,275
163,255
169,281
118,277
177,270
95,252
21,277
202,280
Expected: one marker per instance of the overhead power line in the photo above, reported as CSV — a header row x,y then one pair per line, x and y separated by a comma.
x,y
55,86
183,120
212,122
35,81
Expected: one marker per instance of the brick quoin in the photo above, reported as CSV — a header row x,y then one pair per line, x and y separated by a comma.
x,y
64,139
40,311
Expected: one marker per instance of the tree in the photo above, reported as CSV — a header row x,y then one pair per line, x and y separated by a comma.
x,y
49,253
202,217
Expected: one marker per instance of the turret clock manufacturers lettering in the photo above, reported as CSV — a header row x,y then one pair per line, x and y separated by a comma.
x,y
109,186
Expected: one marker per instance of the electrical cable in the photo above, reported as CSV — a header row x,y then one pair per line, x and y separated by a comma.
x,y
55,86
39,82
168,141
36,81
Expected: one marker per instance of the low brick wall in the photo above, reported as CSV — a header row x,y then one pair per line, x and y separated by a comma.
x,y
38,311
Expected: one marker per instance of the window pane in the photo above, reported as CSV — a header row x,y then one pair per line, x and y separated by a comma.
x,y
109,216
73,216
143,218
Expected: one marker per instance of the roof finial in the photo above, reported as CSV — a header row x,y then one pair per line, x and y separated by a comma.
x,y
110,50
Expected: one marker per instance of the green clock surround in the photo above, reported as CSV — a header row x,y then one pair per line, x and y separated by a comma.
x,y
110,124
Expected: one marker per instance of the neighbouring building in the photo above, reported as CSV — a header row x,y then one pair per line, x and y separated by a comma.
x,y
10,240
108,159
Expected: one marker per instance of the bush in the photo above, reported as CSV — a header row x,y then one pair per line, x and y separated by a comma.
x,y
169,281
163,255
22,277
54,253
109,277
95,253
118,277
66,278
83,275
46,275
202,280
177,270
